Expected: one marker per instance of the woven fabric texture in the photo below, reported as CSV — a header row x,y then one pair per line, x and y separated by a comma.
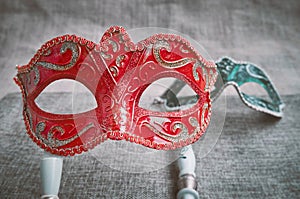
x,y
256,156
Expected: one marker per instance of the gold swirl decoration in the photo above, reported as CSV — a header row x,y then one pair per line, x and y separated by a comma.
x,y
115,68
65,46
182,135
164,63
53,142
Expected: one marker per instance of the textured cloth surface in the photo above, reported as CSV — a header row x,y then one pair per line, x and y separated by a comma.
x,y
256,156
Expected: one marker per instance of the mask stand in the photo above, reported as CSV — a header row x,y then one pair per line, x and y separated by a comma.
x,y
51,170
187,183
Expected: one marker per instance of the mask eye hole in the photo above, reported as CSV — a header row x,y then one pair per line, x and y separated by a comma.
x,y
255,89
66,96
168,94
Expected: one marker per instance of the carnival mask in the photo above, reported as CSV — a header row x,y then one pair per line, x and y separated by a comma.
x,y
117,72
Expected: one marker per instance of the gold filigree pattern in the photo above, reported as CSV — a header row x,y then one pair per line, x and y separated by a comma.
x,y
182,135
115,48
28,114
37,75
164,63
115,68
205,106
194,122
196,65
173,138
106,56
65,46
53,142
40,127
119,60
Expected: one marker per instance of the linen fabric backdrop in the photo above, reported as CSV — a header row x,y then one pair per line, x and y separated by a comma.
x,y
256,156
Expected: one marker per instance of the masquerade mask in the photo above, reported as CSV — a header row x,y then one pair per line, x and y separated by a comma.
x,y
117,72
236,74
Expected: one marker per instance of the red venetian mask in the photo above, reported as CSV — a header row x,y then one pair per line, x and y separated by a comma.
x,y
117,72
